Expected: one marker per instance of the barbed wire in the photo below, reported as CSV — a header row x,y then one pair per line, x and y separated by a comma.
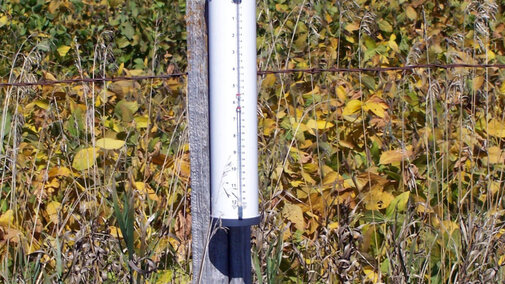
x,y
260,73
92,80
381,69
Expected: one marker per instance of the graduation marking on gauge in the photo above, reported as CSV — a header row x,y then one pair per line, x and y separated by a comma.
x,y
233,100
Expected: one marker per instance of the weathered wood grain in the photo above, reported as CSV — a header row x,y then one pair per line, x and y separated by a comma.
x,y
197,103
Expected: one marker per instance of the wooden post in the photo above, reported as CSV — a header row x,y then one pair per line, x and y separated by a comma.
x,y
198,116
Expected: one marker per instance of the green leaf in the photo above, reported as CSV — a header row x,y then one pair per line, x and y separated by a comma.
x,y
126,109
127,30
369,42
385,26
411,13
75,125
123,42
165,276
368,81
5,125
374,217
399,204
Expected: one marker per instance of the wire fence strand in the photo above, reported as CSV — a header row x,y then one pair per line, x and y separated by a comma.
x,y
260,73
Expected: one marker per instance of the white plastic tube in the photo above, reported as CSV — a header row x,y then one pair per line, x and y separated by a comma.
x,y
233,115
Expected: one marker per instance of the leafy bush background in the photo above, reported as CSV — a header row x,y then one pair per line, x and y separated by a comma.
x,y
394,176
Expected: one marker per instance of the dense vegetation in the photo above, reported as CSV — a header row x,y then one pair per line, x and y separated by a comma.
x,y
390,177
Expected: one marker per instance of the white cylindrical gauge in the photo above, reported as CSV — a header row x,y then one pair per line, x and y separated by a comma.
x,y
233,116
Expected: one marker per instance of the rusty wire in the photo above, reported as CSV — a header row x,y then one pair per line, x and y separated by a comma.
x,y
260,73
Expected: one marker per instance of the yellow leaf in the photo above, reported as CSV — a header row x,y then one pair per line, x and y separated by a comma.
x,y
371,275
165,276
501,261
123,88
41,104
411,13
7,219
269,81
334,178
320,124
500,233
84,159
496,128
63,50
314,91
377,199
376,106
3,21
424,208
53,6
328,18
115,232
493,188
135,72
294,213
308,178
296,183
310,214
185,147
352,27
120,69
172,198
351,107
109,143
268,126
333,225
141,121
300,126
419,83
449,226
502,87
12,235
309,261
281,7
52,210
490,55
302,193
59,171
53,183
347,197
395,156
48,76
495,155
477,82
346,144
392,43
341,94
145,189
361,182
182,168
